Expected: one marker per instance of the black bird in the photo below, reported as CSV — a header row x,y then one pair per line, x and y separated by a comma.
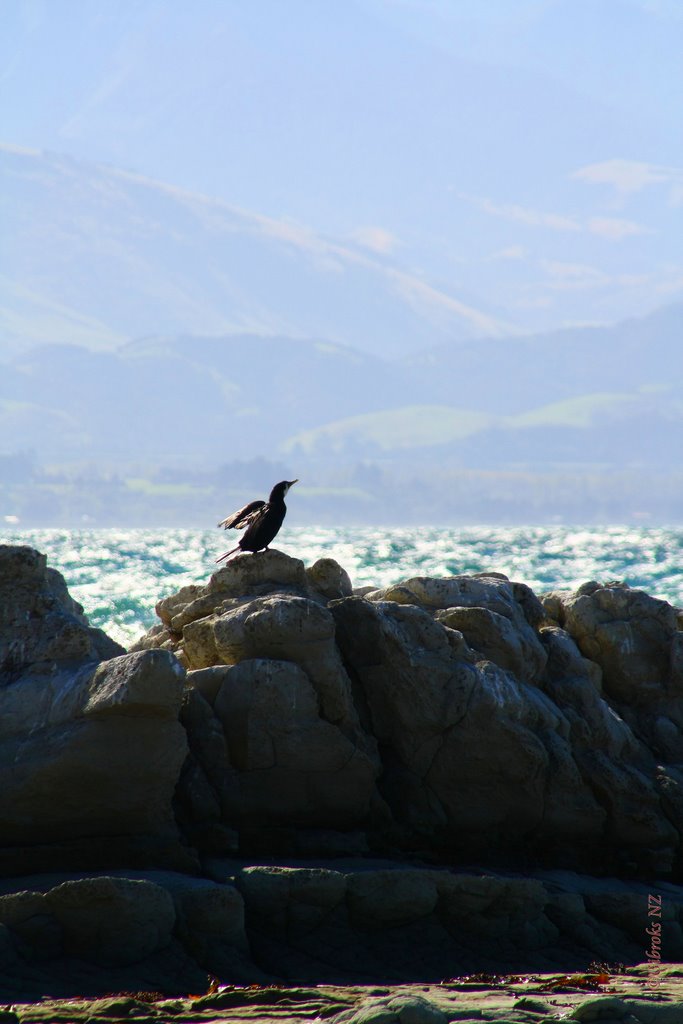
x,y
263,519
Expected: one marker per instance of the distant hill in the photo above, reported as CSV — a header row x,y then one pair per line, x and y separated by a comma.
x,y
470,140
514,375
96,256
611,396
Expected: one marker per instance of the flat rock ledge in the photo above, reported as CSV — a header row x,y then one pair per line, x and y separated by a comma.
x,y
289,782
539,999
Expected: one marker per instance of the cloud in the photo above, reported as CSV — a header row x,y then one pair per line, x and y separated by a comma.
x,y
572,276
630,176
511,252
375,238
614,228
522,214
611,228
564,277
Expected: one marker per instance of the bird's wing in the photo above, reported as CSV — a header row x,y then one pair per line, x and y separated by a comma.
x,y
244,516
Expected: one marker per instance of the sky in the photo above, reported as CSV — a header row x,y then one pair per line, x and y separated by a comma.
x,y
521,156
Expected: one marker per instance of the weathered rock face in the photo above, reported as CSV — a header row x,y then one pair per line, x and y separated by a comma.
x,y
338,922
451,716
274,713
635,640
101,932
90,749
391,922
39,621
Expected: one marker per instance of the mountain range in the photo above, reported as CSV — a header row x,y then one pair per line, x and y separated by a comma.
x,y
141,322
376,172
586,397
94,255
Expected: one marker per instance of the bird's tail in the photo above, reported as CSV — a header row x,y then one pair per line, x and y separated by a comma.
x,y
228,553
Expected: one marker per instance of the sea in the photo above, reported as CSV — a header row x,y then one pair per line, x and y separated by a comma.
x,y
118,575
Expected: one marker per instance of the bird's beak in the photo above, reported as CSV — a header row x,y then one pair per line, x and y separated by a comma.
x,y
292,482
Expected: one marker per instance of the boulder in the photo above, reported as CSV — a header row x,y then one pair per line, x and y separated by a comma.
x,y
91,748
97,754
327,578
497,618
39,622
636,641
629,635
122,930
272,759
139,918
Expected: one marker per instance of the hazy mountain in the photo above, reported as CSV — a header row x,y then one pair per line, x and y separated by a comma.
x,y
180,399
521,373
525,152
95,256
611,396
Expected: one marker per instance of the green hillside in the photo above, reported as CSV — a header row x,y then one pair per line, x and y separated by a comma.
x,y
409,428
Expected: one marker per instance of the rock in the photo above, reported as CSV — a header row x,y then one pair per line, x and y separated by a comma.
x,y
453,721
404,1004
210,925
439,719
39,621
400,1009
91,748
169,606
553,606
397,922
617,767
139,918
139,684
83,770
495,637
329,579
250,574
244,576
380,899
156,926
629,634
536,1006
605,1008
290,765
416,1010
296,629
493,614
634,640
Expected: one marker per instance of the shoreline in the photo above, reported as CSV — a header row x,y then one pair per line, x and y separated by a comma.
x,y
524,999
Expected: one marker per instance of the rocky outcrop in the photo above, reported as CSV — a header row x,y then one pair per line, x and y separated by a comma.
x,y
90,743
39,622
460,718
288,779
337,922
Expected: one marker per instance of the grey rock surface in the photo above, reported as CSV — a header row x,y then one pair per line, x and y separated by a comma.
x,y
496,726
384,785
90,742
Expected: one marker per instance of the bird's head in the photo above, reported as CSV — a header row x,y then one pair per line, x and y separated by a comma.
x,y
281,489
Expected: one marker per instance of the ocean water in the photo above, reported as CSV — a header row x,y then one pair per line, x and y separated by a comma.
x,y
119,575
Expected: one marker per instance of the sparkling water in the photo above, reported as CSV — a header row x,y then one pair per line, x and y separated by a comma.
x,y
119,575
